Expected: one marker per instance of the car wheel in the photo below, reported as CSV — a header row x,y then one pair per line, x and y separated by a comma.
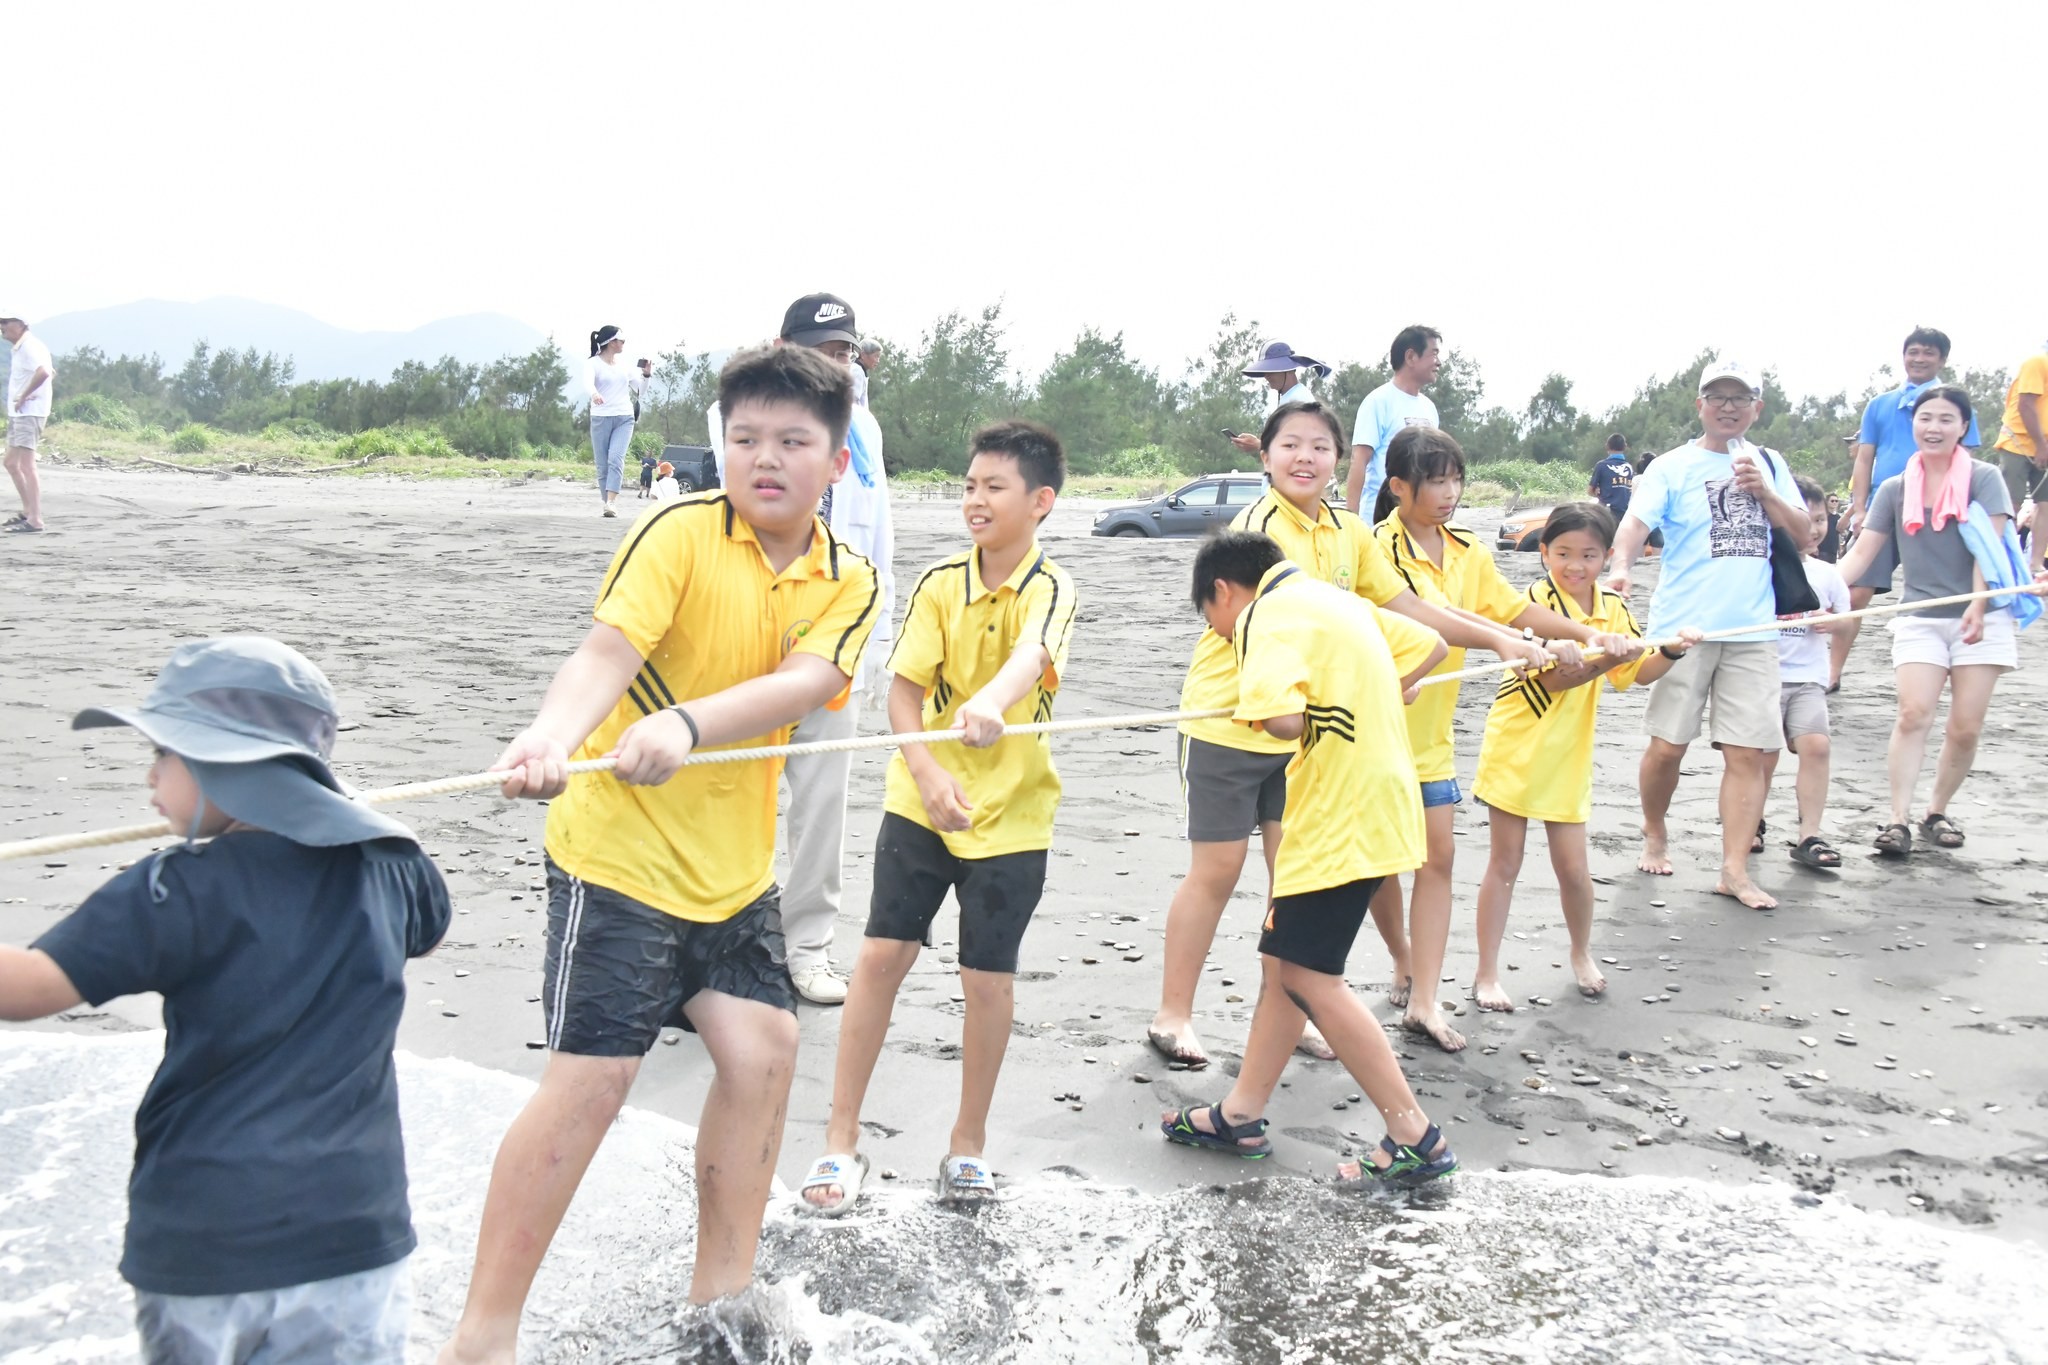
x,y
1529,542
685,486
1135,531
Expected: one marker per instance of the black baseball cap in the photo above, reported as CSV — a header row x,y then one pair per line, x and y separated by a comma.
x,y
816,319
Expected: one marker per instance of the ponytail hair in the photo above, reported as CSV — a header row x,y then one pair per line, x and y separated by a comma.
x,y
594,347
1416,455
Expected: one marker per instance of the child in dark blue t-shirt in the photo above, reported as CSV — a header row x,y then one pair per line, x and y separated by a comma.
x,y
268,1201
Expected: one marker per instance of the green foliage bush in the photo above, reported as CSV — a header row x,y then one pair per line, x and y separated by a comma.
x,y
297,429
194,438
1532,479
97,410
1141,462
419,442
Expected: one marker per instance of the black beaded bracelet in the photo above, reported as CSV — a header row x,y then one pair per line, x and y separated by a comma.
x,y
1665,650
695,738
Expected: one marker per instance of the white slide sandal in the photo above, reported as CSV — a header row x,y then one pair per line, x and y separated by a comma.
x,y
966,1180
847,1171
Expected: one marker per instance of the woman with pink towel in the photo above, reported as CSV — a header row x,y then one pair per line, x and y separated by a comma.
x,y
1915,525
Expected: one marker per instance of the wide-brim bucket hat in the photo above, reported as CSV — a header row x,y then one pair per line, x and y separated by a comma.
x,y
1277,357
254,720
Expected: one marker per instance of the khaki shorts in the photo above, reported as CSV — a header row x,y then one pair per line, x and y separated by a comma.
x,y
1805,707
1735,680
24,433
2023,479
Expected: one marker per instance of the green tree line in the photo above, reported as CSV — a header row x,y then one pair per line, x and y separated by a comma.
x,y
1117,415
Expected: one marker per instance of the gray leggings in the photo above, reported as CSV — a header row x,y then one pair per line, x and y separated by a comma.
x,y
356,1319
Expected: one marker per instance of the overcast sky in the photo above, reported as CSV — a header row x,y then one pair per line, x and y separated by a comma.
x,y
1601,190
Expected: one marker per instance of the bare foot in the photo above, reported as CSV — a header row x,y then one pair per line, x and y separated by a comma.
x,y
1488,993
1432,1022
1176,1042
1397,993
1313,1044
1591,981
1743,889
454,1353
1656,859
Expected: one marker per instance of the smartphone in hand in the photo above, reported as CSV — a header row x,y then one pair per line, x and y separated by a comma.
x,y
1228,434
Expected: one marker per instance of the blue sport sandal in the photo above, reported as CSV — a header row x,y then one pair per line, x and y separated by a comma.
x,y
1407,1167
1227,1136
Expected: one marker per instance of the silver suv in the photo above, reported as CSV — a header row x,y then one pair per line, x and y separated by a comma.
x,y
1201,508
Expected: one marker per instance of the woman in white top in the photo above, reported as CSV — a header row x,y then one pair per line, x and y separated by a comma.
x,y
613,387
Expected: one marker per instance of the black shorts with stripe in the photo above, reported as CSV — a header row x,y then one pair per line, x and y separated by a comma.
x,y
618,971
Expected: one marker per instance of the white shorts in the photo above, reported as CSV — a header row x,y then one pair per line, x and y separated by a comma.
x,y
1938,640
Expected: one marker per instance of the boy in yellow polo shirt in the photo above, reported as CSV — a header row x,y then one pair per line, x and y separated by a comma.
x,y
1323,670
1232,778
724,617
983,645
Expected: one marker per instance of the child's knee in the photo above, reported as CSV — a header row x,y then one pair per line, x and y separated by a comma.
x,y
988,990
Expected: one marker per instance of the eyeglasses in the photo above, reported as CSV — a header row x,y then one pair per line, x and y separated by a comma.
x,y
1728,402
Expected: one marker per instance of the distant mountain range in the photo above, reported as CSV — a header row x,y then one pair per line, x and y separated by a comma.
x,y
320,350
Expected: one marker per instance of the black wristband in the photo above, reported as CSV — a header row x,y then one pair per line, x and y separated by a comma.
x,y
1665,650
695,738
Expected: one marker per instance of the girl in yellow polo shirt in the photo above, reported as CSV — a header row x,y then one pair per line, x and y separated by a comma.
x,y
1536,762
1446,564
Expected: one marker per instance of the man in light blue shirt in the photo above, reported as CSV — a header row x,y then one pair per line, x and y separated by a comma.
x,y
1716,500
1282,369
1416,356
1884,442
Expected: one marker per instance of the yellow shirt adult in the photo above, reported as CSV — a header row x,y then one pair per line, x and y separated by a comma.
x,y
1354,808
957,635
2032,379
1536,760
1469,579
692,590
1334,546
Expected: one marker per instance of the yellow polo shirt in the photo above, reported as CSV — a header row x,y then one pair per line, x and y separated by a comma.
x,y
1468,579
1354,809
1537,758
2033,379
692,590
1335,547
957,635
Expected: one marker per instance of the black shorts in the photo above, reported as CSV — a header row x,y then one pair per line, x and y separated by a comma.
x,y
1317,928
647,476
913,871
1226,794
618,972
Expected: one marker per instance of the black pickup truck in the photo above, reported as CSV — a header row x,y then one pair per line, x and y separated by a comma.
x,y
695,467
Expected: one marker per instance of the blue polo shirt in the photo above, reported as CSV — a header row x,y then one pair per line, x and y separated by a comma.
x,y
1888,425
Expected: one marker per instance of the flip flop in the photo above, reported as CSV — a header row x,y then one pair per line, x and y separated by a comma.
x,y
1181,1128
1945,832
847,1171
1170,1046
1817,853
966,1180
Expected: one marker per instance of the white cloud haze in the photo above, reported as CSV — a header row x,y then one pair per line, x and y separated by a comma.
x,y
1597,189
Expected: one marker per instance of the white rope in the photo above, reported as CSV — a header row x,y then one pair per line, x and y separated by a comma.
x,y
448,786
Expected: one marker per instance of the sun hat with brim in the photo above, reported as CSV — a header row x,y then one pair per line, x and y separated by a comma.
x,y
255,722
1277,357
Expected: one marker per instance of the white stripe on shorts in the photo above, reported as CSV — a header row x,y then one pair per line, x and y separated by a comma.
x,y
572,924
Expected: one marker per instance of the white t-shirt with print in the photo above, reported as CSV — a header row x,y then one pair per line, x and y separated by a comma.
x,y
1803,652
29,356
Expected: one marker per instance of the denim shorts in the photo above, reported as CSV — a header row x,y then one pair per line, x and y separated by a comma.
x,y
1444,793
359,1319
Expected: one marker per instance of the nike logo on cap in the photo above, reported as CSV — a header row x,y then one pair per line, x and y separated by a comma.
x,y
830,312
